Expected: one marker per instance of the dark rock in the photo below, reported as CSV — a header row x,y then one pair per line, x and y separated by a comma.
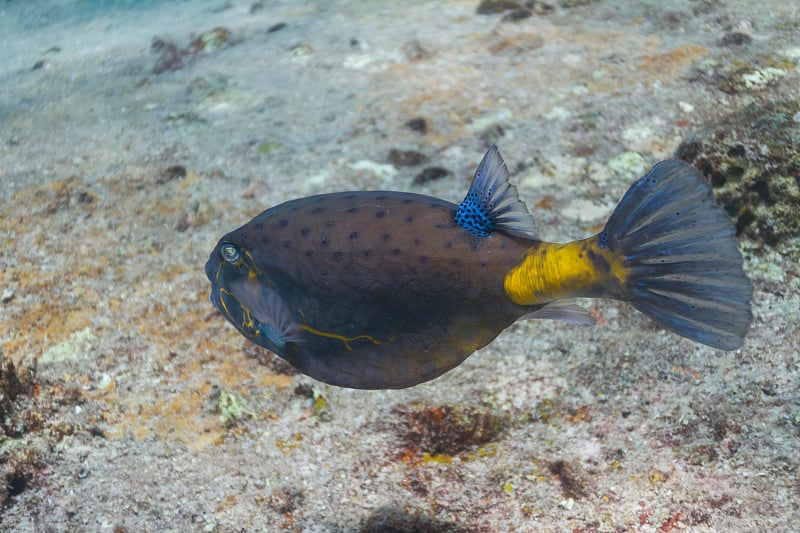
x,y
276,27
491,7
517,14
418,124
406,158
735,38
170,57
173,172
429,174
752,159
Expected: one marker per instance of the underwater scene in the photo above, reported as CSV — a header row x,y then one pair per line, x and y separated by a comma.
x,y
421,266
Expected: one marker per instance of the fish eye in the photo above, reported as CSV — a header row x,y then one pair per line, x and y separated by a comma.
x,y
230,252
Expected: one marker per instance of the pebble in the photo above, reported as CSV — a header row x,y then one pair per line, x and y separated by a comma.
x,y
418,124
489,7
8,295
406,158
429,174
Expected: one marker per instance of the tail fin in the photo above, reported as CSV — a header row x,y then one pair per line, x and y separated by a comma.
x,y
681,256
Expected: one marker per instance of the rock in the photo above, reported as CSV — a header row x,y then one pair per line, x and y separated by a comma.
x,y
490,7
735,38
418,124
429,174
406,158
752,158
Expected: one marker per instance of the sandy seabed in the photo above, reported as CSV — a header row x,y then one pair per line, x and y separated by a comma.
x,y
134,134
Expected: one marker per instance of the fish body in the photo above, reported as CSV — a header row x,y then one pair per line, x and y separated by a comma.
x,y
383,289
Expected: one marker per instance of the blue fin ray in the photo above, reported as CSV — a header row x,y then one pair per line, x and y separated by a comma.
x,y
680,249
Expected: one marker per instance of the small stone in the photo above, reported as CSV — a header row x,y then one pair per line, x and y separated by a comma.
x,y
8,295
517,14
414,51
418,124
212,40
490,7
171,173
276,27
429,174
406,158
735,38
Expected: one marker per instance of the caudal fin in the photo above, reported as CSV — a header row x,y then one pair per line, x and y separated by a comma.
x,y
681,257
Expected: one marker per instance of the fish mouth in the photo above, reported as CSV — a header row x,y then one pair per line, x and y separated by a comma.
x,y
212,267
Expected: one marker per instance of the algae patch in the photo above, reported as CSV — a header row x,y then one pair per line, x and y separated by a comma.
x,y
752,158
71,348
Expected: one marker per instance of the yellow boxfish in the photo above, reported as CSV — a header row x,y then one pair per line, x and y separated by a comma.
x,y
375,290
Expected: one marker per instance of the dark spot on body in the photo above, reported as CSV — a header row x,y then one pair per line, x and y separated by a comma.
x,y
287,245
259,226
416,240
324,240
397,251
354,235
264,240
386,236
337,255
380,214
423,259
282,223
409,219
309,253
317,210
352,210
599,262
304,232
407,200
329,223
366,253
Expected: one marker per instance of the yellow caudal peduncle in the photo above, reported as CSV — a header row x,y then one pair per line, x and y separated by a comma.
x,y
551,272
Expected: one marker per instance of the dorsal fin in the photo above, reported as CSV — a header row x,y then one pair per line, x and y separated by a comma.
x,y
492,203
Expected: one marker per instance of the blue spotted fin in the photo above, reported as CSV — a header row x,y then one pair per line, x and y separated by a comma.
x,y
684,269
492,203
271,316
